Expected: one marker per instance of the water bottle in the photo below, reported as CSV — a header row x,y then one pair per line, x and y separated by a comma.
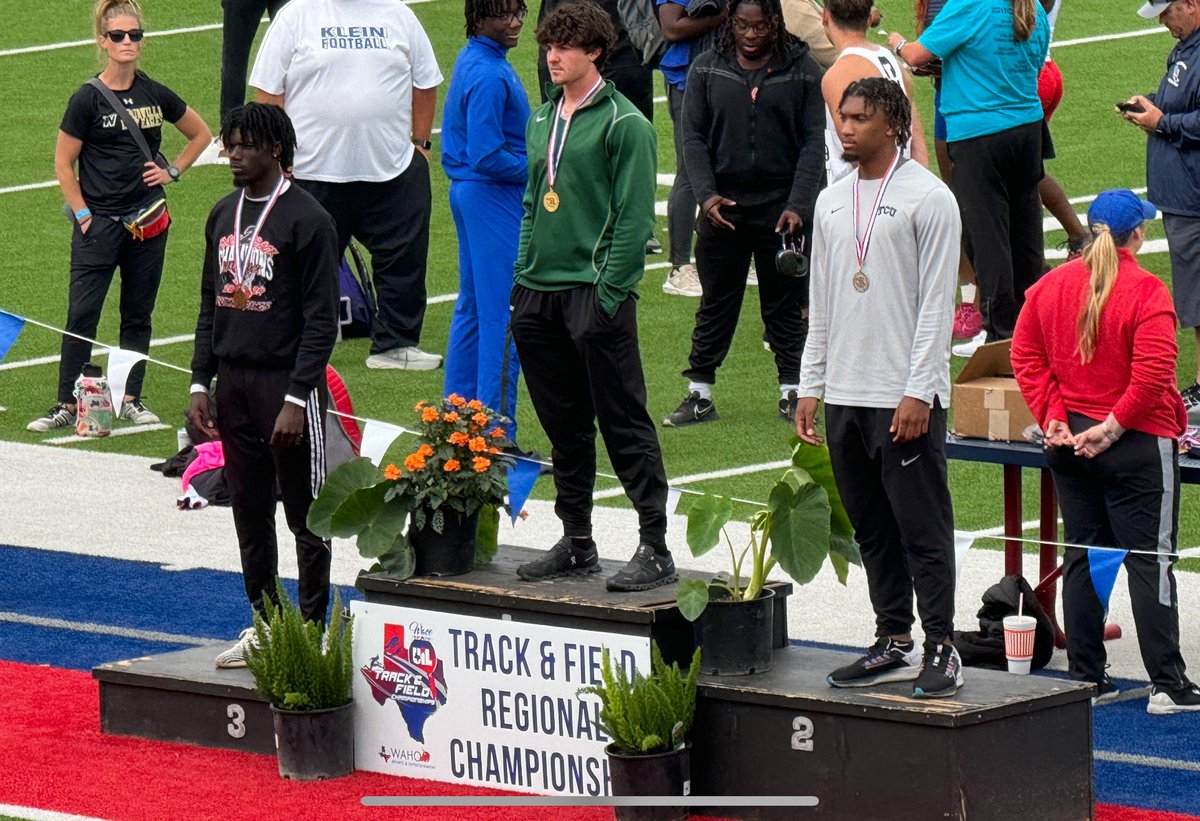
x,y
93,405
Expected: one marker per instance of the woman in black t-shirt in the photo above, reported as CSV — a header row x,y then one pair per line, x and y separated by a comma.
x,y
115,181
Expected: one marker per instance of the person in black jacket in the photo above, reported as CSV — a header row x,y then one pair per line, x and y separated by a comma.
x,y
267,325
754,123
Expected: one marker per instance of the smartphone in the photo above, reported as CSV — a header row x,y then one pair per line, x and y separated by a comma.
x,y
1136,108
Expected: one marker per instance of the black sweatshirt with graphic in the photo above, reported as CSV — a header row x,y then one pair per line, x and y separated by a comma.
x,y
283,313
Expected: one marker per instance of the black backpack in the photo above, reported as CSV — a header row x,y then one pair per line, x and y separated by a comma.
x,y
985,647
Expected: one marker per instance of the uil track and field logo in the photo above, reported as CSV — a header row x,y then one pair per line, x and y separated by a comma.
x,y
409,674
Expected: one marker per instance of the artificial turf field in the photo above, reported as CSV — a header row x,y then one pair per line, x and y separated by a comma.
x,y
1096,151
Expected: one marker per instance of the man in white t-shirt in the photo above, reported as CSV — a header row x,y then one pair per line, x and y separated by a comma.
x,y
846,23
359,81
885,254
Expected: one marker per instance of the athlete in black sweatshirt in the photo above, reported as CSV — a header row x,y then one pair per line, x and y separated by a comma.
x,y
267,325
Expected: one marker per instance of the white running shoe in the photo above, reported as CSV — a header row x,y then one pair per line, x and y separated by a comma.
x,y
235,656
683,281
404,359
139,414
968,349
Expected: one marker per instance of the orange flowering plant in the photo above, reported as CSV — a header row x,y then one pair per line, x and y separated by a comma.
x,y
458,463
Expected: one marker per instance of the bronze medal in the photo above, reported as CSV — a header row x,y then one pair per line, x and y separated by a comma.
x,y
861,283
550,201
240,299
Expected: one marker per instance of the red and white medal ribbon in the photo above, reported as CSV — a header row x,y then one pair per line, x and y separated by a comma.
x,y
241,261
861,246
555,148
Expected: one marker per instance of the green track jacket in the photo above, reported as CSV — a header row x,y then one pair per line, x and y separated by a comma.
x,y
606,186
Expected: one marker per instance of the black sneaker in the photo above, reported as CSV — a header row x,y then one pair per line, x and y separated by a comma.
x,y
886,660
787,407
1164,702
564,559
691,410
646,570
653,246
1106,691
1191,396
941,672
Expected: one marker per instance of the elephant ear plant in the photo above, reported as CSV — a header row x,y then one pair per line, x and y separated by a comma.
x,y
804,521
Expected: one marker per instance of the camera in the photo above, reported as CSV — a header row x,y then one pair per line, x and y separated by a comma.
x,y
790,260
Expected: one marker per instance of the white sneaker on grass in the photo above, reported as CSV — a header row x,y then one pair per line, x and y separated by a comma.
x,y
683,281
55,418
138,414
968,349
235,656
404,359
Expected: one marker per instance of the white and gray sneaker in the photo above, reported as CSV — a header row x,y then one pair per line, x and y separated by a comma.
x,y
404,359
683,281
235,656
55,418
138,414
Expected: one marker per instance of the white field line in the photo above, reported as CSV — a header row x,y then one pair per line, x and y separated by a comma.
x,y
1148,761
101,629
47,360
71,440
35,814
613,493
1103,38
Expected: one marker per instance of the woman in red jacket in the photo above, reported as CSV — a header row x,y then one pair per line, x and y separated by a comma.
x,y
1094,353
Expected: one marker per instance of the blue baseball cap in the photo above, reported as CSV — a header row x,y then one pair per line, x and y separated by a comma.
x,y
1121,210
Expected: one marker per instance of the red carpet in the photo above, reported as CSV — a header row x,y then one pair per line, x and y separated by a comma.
x,y
54,757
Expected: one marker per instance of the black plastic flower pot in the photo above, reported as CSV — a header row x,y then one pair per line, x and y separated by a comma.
x,y
313,745
735,636
449,553
660,774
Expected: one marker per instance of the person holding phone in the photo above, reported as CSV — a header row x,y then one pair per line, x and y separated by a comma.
x,y
1171,120
115,181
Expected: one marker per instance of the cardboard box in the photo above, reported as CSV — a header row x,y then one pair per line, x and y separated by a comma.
x,y
986,400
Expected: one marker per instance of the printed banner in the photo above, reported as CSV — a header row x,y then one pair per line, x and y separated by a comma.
x,y
482,701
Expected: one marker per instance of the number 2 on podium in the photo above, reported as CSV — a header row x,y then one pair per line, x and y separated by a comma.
x,y
802,732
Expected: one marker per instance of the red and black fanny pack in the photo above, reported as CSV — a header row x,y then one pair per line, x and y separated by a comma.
x,y
148,222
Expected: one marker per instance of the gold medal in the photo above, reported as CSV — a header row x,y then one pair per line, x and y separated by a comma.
x,y
861,283
550,201
240,299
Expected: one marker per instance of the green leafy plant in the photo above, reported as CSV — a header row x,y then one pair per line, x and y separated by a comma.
x,y
458,464
296,665
644,715
804,521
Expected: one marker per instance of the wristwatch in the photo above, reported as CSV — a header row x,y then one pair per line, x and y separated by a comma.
x,y
174,172
427,144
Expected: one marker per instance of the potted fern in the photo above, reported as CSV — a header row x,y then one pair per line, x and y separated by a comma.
x,y
306,673
647,719
803,523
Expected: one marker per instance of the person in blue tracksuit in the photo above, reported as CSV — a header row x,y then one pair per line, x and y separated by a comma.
x,y
483,154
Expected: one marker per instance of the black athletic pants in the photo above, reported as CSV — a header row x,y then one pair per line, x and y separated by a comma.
x,y
723,261
1126,497
240,21
391,219
583,366
249,401
95,256
899,503
996,180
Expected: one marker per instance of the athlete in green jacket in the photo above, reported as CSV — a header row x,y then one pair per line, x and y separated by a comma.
x,y
589,210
